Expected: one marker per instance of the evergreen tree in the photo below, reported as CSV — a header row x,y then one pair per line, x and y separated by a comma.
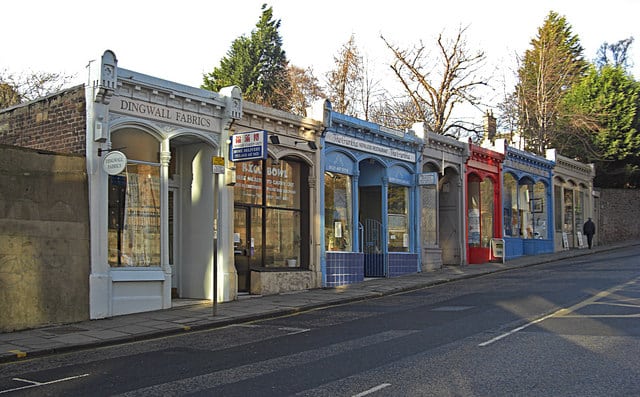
x,y
257,64
611,99
553,64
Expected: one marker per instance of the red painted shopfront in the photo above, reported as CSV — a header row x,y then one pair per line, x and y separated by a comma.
x,y
483,202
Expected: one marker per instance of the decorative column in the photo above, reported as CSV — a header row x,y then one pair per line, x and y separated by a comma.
x,y
165,158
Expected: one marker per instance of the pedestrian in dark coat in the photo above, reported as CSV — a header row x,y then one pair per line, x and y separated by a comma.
x,y
589,229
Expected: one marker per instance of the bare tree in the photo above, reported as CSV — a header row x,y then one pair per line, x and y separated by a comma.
x,y
305,89
16,88
396,112
437,84
344,82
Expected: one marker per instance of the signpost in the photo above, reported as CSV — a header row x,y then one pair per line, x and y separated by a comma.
x,y
217,163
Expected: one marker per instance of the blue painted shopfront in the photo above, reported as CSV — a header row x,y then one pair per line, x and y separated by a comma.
x,y
369,197
526,202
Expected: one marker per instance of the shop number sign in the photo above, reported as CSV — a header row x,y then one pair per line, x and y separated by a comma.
x,y
114,162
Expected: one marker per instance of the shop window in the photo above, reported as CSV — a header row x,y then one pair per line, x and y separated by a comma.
x,y
430,215
248,189
568,211
510,207
480,206
134,202
539,208
134,216
398,218
486,212
273,190
337,212
525,197
557,207
579,211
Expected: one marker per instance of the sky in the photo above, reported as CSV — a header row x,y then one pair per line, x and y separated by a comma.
x,y
180,41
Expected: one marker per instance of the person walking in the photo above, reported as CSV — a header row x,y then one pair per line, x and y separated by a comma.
x,y
589,229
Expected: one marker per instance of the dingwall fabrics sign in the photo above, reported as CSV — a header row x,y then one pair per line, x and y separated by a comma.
x,y
157,112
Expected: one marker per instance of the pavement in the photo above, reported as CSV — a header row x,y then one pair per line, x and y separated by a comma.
x,y
188,316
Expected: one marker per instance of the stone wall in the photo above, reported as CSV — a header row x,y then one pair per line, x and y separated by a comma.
x,y
55,123
619,218
44,239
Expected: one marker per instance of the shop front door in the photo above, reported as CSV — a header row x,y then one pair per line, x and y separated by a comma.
x,y
242,247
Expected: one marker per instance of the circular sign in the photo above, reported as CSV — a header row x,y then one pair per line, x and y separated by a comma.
x,y
114,162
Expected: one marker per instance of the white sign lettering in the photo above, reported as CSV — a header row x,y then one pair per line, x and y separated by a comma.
x,y
369,147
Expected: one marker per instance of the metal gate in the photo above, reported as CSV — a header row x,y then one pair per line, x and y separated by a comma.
x,y
374,256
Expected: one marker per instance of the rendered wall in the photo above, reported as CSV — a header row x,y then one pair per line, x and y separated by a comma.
x,y
44,239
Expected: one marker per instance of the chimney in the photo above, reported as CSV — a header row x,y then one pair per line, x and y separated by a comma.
x,y
489,126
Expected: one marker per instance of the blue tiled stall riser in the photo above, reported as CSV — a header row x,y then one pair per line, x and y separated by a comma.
x,y
400,264
344,268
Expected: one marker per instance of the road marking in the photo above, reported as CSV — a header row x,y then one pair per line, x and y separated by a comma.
x,y
18,353
207,382
372,390
563,312
520,328
293,331
33,383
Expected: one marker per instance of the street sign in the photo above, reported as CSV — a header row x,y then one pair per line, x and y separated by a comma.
x,y
218,164
248,146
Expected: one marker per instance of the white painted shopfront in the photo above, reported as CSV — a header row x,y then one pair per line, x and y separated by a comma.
x,y
152,225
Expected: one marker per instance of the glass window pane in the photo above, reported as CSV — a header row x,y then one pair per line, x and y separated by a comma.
x,y
579,210
510,207
283,238
557,207
525,196
255,243
539,209
134,216
283,183
568,211
248,188
473,204
429,216
398,220
486,212
337,212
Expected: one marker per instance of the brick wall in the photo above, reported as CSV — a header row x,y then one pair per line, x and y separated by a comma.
x,y
55,123
619,218
44,239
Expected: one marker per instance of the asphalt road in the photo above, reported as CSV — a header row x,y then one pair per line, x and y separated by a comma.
x,y
569,328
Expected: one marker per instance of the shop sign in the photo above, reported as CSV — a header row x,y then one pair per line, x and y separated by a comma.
x,y
218,164
114,162
428,179
497,248
248,146
369,147
161,113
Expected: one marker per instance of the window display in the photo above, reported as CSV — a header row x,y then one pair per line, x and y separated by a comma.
x,y
398,212
337,212
273,191
134,216
510,206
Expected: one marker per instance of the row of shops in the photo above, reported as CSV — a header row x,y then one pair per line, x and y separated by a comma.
x,y
318,201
